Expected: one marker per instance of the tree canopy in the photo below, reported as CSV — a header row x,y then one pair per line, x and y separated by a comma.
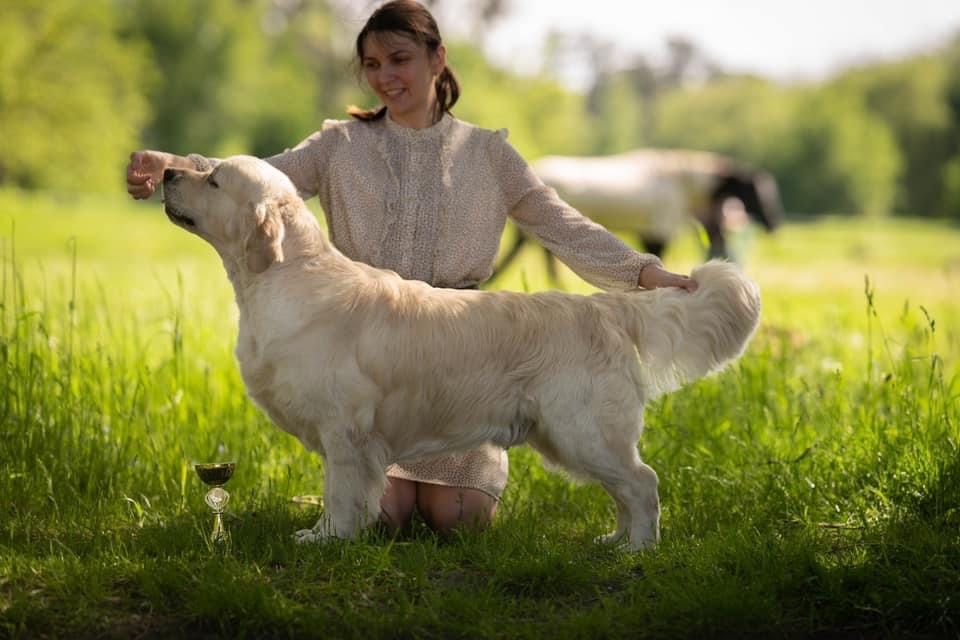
x,y
83,84
72,94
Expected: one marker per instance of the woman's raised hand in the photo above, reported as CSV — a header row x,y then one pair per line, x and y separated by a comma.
x,y
145,172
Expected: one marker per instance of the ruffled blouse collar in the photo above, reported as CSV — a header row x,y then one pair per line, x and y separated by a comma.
x,y
433,132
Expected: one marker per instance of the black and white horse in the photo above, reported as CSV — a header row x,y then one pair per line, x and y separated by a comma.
x,y
655,194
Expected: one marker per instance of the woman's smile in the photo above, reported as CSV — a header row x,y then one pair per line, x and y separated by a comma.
x,y
403,73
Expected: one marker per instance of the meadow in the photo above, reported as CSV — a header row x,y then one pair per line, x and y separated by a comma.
x,y
811,490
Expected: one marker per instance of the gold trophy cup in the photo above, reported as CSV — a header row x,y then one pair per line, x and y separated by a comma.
x,y
215,475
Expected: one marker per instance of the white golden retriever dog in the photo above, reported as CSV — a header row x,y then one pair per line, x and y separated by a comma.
x,y
367,368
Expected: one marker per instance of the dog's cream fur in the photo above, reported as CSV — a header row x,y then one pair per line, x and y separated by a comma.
x,y
367,368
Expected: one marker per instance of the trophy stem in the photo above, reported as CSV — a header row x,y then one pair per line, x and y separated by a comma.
x,y
217,499
219,535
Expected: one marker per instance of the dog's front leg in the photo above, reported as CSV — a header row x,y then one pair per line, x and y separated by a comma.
x,y
353,485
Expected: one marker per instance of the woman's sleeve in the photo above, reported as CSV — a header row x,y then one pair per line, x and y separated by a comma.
x,y
302,163
592,252
202,163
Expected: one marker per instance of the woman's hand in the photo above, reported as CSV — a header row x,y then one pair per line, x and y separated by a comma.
x,y
145,172
653,276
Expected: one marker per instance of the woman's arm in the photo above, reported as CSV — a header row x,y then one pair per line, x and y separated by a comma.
x,y
301,164
590,250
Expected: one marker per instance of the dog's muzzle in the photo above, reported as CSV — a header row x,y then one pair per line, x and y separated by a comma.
x,y
176,216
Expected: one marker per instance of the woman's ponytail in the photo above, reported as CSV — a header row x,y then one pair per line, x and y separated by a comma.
x,y
448,92
366,115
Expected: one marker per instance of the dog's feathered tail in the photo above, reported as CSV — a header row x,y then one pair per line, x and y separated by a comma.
x,y
682,336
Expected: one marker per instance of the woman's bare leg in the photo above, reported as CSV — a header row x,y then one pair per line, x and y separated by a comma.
x,y
447,508
397,504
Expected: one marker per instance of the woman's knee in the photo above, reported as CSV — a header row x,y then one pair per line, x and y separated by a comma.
x,y
397,504
447,508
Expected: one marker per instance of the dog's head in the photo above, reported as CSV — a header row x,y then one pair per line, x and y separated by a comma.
x,y
237,207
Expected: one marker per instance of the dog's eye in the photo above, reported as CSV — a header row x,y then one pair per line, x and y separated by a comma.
x,y
213,183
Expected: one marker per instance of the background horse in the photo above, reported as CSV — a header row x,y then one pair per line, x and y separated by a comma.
x,y
656,193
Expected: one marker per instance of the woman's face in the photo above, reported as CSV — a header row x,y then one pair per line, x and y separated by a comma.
x,y
402,72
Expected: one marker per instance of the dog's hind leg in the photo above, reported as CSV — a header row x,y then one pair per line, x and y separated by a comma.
x,y
602,444
623,521
631,483
353,485
634,489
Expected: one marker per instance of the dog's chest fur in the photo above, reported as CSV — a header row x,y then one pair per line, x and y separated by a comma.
x,y
263,348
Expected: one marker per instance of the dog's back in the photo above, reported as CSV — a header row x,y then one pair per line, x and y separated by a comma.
x,y
444,359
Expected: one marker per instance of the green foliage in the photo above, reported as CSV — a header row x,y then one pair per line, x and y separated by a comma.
x,y
71,94
233,64
828,152
540,115
253,77
83,84
745,117
846,158
877,139
620,119
912,98
198,47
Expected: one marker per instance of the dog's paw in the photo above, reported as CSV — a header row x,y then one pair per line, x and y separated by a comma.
x,y
612,538
643,544
634,543
307,536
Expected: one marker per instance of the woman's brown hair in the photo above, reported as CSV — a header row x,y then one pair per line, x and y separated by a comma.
x,y
414,21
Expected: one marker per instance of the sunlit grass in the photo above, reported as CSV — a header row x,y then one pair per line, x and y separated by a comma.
x,y
812,488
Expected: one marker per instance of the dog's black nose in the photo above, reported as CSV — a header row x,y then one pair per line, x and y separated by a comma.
x,y
169,174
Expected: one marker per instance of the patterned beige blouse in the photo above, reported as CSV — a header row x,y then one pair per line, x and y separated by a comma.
x,y
431,204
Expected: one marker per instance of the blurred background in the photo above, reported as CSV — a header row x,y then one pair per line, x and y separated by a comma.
x,y
853,106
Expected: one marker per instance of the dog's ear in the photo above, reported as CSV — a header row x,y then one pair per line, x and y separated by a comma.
x,y
264,245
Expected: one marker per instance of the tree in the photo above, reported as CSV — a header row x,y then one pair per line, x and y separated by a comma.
x,y
951,168
192,46
746,117
842,158
827,150
911,97
541,116
71,103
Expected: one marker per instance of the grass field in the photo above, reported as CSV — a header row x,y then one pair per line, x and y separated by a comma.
x,y
813,489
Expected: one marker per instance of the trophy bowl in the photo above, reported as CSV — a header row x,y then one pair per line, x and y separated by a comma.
x,y
215,474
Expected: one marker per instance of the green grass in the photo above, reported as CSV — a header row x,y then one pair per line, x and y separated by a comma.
x,y
813,489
